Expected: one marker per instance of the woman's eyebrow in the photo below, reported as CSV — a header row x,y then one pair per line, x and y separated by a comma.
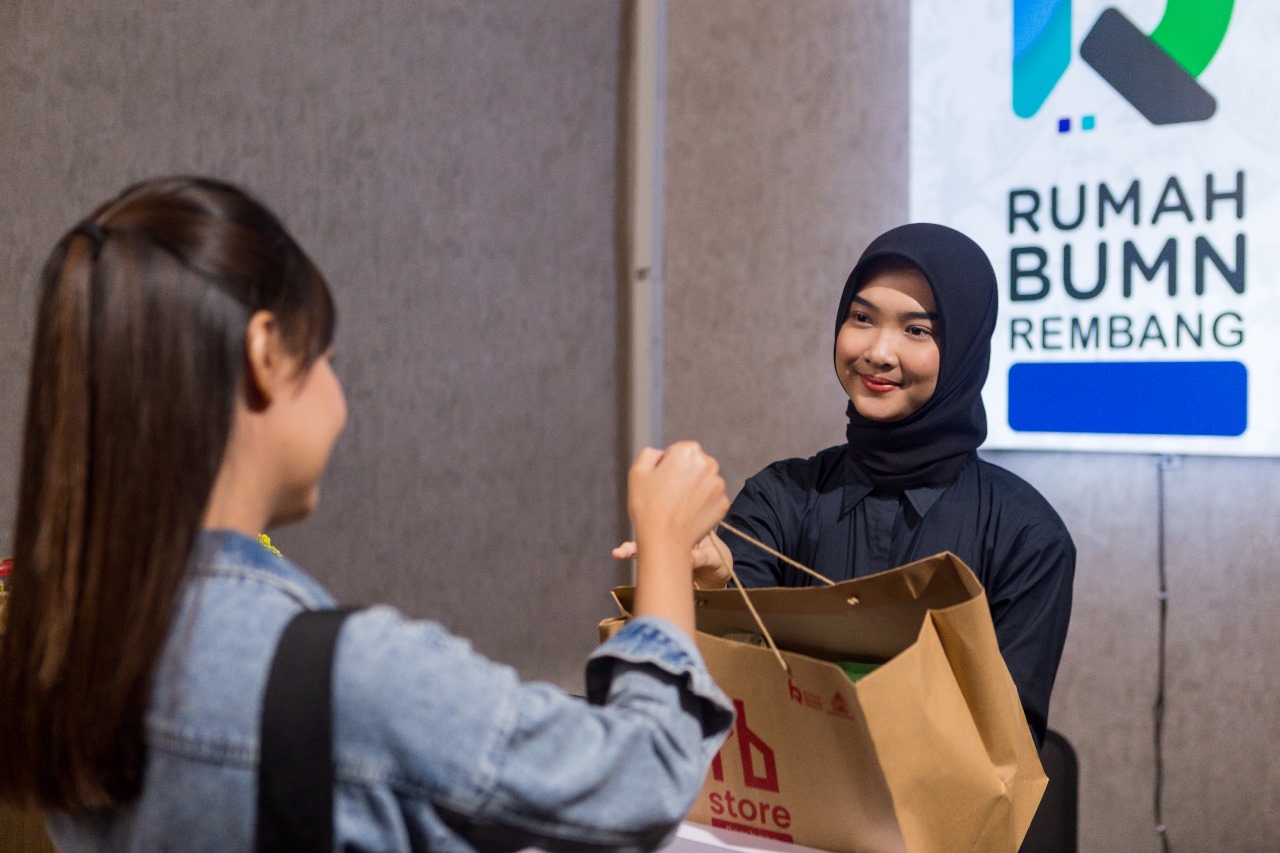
x,y
906,315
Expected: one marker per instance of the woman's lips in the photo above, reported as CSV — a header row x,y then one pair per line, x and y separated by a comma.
x,y
877,383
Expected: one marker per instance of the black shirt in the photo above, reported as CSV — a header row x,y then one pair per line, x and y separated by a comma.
x,y
825,514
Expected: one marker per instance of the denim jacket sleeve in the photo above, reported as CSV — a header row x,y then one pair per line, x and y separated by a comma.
x,y
478,760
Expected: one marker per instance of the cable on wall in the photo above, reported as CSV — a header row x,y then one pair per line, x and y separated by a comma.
x,y
1164,463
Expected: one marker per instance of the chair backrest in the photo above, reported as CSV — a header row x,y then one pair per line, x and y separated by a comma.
x,y
1056,826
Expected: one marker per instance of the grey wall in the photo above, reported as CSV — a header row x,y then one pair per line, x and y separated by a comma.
x,y
451,166
786,153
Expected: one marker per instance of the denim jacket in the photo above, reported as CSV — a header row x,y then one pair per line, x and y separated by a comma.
x,y
435,747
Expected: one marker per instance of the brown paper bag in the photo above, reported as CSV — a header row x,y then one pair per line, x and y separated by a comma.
x,y
930,752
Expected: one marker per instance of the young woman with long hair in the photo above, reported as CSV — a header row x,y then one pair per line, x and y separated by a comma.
x,y
181,400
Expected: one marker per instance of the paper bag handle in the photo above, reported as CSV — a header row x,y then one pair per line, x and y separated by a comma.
x,y
783,557
746,598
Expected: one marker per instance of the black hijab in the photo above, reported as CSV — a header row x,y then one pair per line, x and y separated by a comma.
x,y
932,444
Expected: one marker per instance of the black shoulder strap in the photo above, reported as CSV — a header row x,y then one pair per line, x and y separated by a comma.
x,y
295,764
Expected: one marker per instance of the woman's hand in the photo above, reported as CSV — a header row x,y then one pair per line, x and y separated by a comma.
x,y
675,493
675,498
712,561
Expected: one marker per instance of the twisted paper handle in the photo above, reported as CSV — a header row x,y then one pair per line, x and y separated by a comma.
x,y
746,598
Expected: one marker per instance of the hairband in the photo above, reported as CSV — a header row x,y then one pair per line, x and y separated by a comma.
x,y
96,235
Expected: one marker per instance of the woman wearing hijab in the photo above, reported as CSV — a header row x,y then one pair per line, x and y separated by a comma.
x,y
912,349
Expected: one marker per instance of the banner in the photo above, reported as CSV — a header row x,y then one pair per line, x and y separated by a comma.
x,y
1117,161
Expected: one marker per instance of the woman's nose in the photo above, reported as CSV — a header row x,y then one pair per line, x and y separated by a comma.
x,y
881,352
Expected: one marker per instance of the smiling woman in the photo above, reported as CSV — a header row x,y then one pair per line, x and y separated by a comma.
x,y
181,402
887,351
912,350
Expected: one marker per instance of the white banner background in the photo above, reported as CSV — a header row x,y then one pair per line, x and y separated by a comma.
x,y
969,151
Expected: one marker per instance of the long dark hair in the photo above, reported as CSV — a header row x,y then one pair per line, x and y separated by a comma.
x,y
139,355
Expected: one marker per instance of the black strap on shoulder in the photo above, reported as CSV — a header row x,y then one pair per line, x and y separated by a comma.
x,y
295,765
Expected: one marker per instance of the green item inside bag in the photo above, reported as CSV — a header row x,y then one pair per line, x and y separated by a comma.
x,y
856,669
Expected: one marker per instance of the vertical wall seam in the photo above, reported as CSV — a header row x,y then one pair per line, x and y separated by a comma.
x,y
640,304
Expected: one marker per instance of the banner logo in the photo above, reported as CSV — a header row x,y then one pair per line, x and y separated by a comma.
x,y
751,814
766,777
1156,72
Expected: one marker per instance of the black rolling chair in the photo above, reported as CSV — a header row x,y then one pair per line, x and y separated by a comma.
x,y
1056,826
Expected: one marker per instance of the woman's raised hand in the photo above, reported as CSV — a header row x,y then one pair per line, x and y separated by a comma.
x,y
676,494
675,497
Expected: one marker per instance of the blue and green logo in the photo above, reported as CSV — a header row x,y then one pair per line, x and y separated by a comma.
x,y
1156,73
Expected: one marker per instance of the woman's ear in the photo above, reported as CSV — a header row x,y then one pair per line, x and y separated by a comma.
x,y
265,359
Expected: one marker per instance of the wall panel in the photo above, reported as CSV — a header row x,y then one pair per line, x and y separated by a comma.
x,y
451,166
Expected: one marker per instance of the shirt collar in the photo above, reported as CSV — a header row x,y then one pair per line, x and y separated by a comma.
x,y
857,487
922,498
226,552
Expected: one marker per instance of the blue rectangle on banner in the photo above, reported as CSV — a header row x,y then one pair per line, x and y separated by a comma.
x,y
1130,398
